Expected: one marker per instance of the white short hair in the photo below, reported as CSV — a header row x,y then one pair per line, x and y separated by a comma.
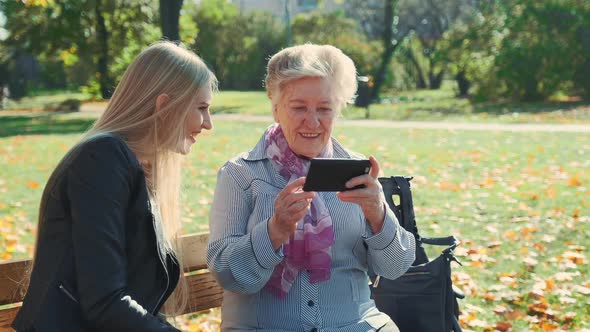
x,y
310,60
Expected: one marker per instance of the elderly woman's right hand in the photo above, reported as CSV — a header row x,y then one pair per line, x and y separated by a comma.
x,y
291,205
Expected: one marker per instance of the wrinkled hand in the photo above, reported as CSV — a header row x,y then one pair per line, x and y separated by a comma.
x,y
291,205
369,198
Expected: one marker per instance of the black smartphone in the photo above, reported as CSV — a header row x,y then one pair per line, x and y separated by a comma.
x,y
328,174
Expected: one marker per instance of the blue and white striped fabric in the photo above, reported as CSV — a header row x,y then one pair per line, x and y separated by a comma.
x,y
241,256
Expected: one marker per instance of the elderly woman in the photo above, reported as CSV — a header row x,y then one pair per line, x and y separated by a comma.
x,y
291,260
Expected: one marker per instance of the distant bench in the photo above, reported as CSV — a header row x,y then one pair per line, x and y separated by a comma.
x,y
204,292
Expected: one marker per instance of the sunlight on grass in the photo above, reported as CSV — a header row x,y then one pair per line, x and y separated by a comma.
x,y
423,105
243,102
415,105
44,101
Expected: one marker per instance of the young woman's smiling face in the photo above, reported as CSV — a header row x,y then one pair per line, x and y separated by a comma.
x,y
198,119
306,111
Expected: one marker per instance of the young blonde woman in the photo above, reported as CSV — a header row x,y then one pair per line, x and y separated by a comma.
x,y
106,256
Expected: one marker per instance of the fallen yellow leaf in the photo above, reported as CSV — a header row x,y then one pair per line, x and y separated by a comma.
x,y
574,182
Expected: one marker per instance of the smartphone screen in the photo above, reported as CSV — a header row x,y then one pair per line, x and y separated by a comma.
x,y
329,174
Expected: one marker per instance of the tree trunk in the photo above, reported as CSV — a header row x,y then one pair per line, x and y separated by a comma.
x,y
421,82
103,52
169,17
436,79
463,84
388,47
4,82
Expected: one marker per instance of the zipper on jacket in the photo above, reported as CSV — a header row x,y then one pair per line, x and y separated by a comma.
x,y
67,292
376,282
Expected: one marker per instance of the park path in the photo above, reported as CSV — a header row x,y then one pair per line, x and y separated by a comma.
x,y
517,127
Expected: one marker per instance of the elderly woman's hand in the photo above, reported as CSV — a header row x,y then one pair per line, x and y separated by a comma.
x,y
291,205
370,197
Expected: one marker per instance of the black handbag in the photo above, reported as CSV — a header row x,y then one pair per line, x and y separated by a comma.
x,y
423,299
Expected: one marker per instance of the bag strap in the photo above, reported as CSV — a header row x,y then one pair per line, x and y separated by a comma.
x,y
440,241
451,243
405,211
407,205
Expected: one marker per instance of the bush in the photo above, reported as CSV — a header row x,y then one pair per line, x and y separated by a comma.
x,y
68,105
236,46
342,32
523,49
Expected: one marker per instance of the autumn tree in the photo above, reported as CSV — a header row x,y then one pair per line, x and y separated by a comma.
x,y
85,36
236,46
341,31
389,45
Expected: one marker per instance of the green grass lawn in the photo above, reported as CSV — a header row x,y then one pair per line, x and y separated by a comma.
x,y
43,100
419,105
426,105
519,202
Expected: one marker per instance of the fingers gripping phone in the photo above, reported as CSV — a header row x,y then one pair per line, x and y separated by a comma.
x,y
327,174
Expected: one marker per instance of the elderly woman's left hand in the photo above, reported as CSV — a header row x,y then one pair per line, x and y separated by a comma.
x,y
370,198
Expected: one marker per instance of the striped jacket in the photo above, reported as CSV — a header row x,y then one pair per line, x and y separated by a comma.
x,y
241,256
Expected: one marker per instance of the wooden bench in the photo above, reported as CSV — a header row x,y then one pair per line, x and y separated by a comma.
x,y
204,292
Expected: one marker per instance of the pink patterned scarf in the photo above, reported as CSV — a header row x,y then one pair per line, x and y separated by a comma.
x,y
310,246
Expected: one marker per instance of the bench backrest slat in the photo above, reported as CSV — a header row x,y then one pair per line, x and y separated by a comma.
x,y
194,251
6,318
12,274
204,292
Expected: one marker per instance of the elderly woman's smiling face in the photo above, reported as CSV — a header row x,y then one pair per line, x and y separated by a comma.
x,y
306,111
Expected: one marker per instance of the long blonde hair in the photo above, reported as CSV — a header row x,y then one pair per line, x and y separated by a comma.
x,y
163,68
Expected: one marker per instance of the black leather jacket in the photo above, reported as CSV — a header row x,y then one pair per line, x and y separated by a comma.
x,y
97,266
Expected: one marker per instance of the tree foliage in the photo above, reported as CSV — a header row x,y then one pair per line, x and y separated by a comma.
x,y
236,46
516,49
543,52
90,38
340,31
523,49
429,20
470,46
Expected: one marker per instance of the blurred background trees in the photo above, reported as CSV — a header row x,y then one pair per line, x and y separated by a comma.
x,y
236,45
493,50
71,44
